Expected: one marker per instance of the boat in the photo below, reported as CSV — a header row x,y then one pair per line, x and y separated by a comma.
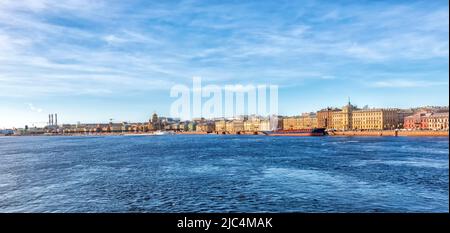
x,y
299,132
160,133
156,133
138,134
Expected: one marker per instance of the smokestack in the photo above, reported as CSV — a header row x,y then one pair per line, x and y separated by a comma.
x,y
49,120
52,119
56,119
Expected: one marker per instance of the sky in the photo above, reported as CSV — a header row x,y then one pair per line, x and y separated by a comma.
x,y
91,61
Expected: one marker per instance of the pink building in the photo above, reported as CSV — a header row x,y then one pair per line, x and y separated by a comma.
x,y
427,120
417,121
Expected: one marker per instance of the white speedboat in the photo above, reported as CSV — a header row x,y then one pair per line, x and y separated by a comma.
x,y
160,133
136,134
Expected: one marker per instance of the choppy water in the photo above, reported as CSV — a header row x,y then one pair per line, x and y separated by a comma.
x,y
223,173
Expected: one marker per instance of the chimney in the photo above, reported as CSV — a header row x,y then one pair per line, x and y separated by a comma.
x,y
49,120
56,119
52,120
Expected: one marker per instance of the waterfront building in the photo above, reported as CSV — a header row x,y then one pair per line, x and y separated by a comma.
x,y
150,126
418,120
220,125
126,127
252,124
116,127
402,113
305,121
205,127
290,123
308,121
175,126
237,126
167,127
154,118
156,122
264,125
229,126
191,126
324,117
6,132
234,126
438,121
342,120
379,119
183,126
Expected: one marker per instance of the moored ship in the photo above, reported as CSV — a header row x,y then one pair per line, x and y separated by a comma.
x,y
299,132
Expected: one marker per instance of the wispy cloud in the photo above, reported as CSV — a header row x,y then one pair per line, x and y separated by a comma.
x,y
75,47
406,83
110,51
32,108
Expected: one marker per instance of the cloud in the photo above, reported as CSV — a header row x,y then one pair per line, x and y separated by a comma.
x,y
101,48
406,83
32,108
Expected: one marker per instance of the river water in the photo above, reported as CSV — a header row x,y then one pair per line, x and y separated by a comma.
x,y
223,173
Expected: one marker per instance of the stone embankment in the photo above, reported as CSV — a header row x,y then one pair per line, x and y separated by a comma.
x,y
393,133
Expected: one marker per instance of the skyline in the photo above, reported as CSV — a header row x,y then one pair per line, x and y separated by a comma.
x,y
52,119
95,61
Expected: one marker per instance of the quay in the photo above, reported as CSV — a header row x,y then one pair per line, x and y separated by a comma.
x,y
384,133
392,133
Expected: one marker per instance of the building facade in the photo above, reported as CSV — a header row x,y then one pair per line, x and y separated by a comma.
x,y
418,120
305,121
342,120
206,127
325,118
252,125
235,126
438,121
378,119
220,125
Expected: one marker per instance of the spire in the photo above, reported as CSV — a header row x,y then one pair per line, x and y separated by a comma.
x,y
349,101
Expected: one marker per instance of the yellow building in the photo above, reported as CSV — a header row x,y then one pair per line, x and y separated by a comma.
x,y
291,123
325,117
235,126
306,121
438,121
342,120
229,127
220,126
252,125
376,119
264,125
206,127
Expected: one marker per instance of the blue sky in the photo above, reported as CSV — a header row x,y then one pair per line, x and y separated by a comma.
x,y
90,61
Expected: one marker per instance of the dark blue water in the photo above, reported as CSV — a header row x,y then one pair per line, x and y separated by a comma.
x,y
200,173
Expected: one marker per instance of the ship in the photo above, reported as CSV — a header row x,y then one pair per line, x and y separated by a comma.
x,y
156,133
299,132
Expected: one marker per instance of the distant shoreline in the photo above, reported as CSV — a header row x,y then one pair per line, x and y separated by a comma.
x,y
380,133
